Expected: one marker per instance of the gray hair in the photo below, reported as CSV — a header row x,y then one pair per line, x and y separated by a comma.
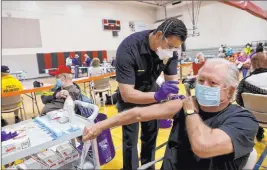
x,y
200,54
232,76
68,76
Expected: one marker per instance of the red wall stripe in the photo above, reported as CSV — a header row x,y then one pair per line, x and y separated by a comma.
x,y
104,55
48,60
82,57
72,54
60,59
94,54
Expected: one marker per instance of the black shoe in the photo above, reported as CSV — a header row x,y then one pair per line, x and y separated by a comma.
x,y
17,119
3,122
260,134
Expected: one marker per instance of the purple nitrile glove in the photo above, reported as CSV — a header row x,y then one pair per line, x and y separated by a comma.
x,y
168,87
177,96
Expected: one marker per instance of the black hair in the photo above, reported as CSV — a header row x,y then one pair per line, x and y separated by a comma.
x,y
248,44
259,48
173,26
183,46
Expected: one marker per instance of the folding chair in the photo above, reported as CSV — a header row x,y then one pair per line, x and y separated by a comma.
x,y
257,104
13,103
102,85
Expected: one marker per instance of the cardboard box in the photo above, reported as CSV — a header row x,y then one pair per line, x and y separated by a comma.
x,y
68,153
51,159
15,144
32,164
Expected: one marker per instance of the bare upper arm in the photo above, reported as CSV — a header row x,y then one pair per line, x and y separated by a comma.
x,y
126,90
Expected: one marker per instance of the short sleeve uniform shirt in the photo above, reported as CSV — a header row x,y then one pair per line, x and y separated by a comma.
x,y
136,64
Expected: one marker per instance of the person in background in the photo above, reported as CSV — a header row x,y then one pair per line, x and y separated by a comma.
x,y
208,132
198,63
69,61
113,62
75,60
105,64
222,49
65,88
87,60
255,83
243,63
190,81
259,48
221,55
96,70
248,49
9,84
186,58
76,64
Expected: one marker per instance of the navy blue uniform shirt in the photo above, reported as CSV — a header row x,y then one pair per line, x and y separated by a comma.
x,y
136,64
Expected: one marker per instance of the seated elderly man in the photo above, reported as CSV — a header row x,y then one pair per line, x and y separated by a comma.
x,y
255,83
65,87
208,132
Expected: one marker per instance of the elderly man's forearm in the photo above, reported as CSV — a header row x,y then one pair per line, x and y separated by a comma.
x,y
124,118
199,134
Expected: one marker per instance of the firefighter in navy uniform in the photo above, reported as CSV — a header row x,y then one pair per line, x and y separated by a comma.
x,y
140,59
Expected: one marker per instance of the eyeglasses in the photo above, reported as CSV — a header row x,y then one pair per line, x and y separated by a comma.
x,y
170,46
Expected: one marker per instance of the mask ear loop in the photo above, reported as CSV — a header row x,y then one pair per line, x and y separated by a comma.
x,y
165,29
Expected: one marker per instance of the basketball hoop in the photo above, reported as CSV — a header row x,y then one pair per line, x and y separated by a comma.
x,y
194,14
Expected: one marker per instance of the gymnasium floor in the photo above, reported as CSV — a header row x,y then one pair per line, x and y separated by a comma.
x,y
110,111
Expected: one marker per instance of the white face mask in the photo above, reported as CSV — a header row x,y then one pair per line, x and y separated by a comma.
x,y
164,53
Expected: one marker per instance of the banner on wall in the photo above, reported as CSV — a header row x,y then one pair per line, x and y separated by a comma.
x,y
136,26
53,60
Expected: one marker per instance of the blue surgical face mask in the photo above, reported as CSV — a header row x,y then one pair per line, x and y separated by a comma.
x,y
196,60
58,83
208,96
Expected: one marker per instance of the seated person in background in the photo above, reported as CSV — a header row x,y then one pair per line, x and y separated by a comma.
x,y
243,63
186,59
9,84
65,88
105,64
208,132
256,83
95,69
190,81
87,60
221,55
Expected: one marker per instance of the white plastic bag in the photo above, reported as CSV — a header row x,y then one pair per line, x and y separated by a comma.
x,y
85,150
69,108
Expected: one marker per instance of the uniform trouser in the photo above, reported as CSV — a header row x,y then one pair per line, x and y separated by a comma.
x,y
76,71
149,132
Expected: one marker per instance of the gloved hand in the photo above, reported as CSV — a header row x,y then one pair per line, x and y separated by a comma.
x,y
177,96
165,89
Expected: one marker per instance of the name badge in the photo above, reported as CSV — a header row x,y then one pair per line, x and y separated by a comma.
x,y
165,61
140,70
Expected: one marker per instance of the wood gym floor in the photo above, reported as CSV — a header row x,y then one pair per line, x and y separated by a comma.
x,y
110,111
